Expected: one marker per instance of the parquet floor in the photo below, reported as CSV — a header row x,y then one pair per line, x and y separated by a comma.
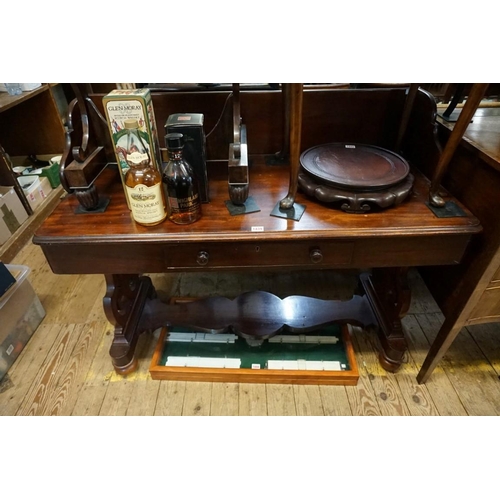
x,y
65,369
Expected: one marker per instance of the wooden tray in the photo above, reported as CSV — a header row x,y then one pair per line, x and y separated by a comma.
x,y
354,167
248,375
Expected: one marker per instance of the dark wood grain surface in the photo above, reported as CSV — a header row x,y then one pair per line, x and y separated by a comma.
x,y
370,116
33,125
112,242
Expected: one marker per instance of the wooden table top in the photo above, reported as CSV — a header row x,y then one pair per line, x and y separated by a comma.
x,y
483,133
268,185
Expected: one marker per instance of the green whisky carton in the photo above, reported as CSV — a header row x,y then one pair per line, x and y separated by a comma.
x,y
136,104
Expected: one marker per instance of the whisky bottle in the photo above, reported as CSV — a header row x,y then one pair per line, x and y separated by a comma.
x,y
181,186
143,183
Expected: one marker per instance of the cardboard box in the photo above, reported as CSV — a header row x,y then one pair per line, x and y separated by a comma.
x,y
12,213
35,188
190,125
20,314
121,105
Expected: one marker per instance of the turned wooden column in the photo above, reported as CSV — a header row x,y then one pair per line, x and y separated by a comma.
x,y
295,103
285,99
408,107
472,103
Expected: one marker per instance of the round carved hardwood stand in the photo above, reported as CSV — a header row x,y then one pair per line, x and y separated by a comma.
x,y
357,177
356,202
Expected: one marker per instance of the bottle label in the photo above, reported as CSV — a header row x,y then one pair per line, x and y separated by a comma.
x,y
137,158
146,203
184,205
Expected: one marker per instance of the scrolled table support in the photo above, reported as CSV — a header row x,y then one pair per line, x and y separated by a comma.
x,y
389,296
132,307
124,302
257,314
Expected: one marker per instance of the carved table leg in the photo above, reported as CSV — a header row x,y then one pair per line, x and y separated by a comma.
x,y
284,153
126,296
389,296
295,136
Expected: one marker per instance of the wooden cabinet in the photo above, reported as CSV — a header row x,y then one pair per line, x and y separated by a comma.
x,y
469,293
30,124
488,307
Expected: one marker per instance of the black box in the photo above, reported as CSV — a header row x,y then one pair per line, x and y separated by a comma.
x,y
6,279
191,126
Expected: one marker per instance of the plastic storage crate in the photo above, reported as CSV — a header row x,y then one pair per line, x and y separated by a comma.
x,y
20,314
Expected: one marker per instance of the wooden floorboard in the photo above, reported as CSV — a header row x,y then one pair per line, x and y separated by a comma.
x,y
65,369
470,373
252,400
46,383
441,390
308,402
170,399
335,401
225,399
385,389
280,400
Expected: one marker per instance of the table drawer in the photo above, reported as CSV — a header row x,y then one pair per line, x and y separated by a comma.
x,y
258,255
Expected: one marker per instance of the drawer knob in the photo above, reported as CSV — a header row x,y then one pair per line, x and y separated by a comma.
x,y
316,255
202,258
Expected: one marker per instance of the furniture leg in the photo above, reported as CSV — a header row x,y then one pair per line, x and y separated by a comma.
x,y
457,97
472,103
389,296
285,150
295,136
410,99
126,296
445,337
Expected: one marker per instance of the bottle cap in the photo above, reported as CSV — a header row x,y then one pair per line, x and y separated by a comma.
x,y
174,141
131,123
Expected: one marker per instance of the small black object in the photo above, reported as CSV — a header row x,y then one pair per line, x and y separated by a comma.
x,y
294,213
101,207
174,141
6,279
246,208
450,209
